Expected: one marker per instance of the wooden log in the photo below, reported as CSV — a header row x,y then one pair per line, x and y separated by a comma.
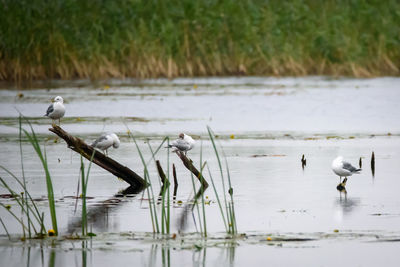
x,y
164,180
189,165
204,185
107,163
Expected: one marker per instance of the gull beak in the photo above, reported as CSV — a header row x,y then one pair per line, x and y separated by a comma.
x,y
53,101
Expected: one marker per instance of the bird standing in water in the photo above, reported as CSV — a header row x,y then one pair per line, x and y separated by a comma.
x,y
56,110
343,168
105,141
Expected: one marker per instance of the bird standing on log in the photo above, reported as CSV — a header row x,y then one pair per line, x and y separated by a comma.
x,y
56,110
105,141
184,143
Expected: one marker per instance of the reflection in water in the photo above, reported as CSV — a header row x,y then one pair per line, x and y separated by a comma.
x,y
199,257
84,253
342,188
166,256
231,255
99,216
52,258
153,255
161,252
347,204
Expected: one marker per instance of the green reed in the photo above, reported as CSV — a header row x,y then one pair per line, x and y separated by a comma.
x,y
149,188
28,208
165,189
202,190
23,174
165,208
230,221
32,138
5,229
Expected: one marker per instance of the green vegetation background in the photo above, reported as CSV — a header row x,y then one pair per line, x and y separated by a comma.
x,y
147,38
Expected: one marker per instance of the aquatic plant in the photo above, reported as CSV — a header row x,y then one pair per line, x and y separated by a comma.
x,y
149,188
24,200
32,138
228,215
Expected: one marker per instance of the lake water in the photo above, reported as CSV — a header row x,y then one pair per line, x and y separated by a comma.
x,y
264,126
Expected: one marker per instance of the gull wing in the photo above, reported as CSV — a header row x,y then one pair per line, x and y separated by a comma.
x,y
50,109
180,144
349,167
99,140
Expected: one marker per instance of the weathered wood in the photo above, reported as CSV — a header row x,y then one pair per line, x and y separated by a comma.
x,y
204,185
164,180
189,165
175,182
107,163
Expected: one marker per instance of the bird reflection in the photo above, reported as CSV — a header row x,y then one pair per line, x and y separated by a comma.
x,y
347,204
99,215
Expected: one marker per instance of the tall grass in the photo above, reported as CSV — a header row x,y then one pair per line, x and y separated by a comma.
x,y
43,158
149,188
140,38
24,200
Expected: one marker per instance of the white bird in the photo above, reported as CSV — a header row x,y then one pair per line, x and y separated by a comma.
x,y
56,110
343,168
184,143
105,141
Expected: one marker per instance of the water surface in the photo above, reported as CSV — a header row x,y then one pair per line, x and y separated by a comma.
x,y
264,126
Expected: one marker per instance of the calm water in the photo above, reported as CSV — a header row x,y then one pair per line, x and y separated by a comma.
x,y
272,122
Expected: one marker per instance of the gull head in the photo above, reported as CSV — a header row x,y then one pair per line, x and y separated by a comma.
x,y
337,163
181,135
116,141
58,99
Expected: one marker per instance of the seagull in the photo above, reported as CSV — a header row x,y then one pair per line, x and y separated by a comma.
x,y
56,110
184,143
343,168
105,141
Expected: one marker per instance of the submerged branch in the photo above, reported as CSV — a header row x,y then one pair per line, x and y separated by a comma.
x,y
107,163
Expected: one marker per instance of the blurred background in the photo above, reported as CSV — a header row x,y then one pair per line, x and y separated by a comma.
x,y
147,38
